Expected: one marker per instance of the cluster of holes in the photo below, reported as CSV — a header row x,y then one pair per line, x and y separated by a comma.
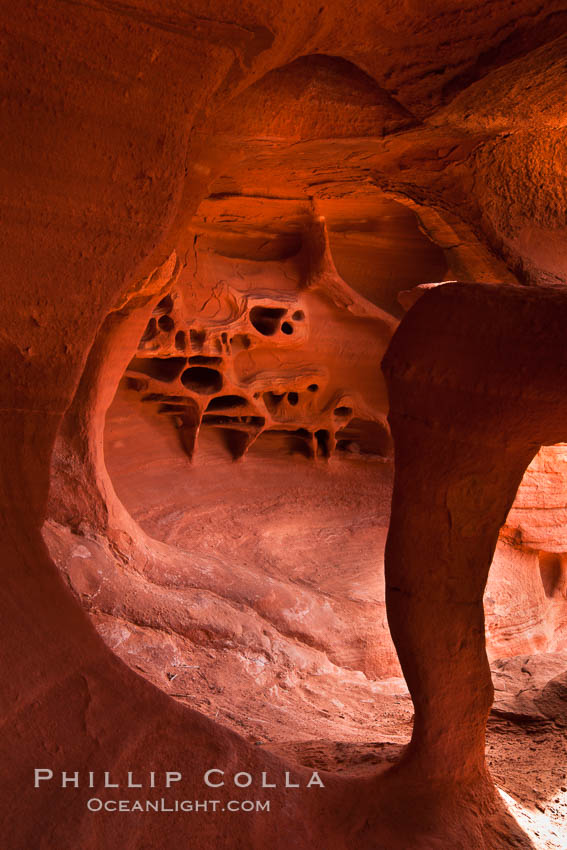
x,y
164,323
273,400
268,320
204,378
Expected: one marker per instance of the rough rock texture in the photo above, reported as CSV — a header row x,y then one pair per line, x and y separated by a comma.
x,y
119,119
491,433
256,358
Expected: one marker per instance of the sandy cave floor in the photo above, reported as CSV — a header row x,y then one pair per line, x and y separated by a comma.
x,y
263,511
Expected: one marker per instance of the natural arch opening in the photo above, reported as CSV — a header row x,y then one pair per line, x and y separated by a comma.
x,y
294,534
445,115
236,605
238,320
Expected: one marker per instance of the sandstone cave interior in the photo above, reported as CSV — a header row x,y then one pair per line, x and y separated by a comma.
x,y
285,460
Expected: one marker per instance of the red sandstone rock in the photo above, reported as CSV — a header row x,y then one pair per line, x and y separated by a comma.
x,y
108,149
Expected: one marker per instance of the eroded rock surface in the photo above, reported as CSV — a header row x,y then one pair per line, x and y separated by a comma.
x,y
290,349
119,120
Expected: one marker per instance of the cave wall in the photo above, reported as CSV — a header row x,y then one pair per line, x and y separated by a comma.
x,y
106,157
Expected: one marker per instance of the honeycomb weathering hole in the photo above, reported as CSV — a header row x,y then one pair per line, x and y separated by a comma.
x,y
266,320
197,338
165,305
151,331
225,402
165,369
202,380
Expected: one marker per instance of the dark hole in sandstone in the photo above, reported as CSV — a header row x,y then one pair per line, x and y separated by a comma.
x,y
298,316
266,319
151,331
313,388
307,437
166,323
165,305
364,437
287,328
161,368
553,573
180,340
226,402
322,438
197,338
293,398
203,360
273,400
342,412
236,441
272,443
202,380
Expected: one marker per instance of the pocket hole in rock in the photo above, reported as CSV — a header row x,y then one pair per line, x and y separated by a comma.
x,y
165,305
202,380
161,368
166,323
266,320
